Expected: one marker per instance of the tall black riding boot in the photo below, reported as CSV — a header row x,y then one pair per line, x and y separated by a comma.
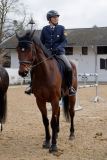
x,y
29,88
71,89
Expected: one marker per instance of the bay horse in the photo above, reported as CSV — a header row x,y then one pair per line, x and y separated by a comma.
x,y
46,84
4,83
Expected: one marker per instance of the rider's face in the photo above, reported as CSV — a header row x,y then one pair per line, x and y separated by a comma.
x,y
54,20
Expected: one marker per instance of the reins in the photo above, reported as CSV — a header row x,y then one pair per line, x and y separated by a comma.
x,y
42,61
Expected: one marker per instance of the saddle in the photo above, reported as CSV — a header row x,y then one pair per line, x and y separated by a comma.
x,y
61,66
64,75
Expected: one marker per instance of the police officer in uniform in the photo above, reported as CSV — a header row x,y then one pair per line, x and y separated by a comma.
x,y
54,39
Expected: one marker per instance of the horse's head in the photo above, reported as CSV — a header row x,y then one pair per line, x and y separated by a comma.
x,y
25,52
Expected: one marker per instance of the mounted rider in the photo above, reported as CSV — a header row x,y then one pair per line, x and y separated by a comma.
x,y
53,38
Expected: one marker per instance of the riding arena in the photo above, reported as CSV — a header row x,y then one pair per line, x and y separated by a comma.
x,y
50,124
23,131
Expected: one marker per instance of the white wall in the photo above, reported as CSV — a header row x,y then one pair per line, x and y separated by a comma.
x,y
14,59
85,63
14,77
89,63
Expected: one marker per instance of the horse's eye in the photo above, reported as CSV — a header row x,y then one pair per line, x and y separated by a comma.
x,y
23,49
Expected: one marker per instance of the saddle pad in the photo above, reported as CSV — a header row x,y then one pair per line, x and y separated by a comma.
x,y
61,66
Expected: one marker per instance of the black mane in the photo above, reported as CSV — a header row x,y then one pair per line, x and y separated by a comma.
x,y
28,38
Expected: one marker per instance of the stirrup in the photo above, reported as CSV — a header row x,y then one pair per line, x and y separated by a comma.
x,y
72,91
28,90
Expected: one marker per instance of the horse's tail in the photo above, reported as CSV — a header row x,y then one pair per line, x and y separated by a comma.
x,y
3,107
65,101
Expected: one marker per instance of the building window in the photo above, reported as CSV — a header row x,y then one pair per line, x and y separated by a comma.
x,y
69,50
7,62
102,50
103,63
84,50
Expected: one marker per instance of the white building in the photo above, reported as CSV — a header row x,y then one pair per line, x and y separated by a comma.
x,y
86,46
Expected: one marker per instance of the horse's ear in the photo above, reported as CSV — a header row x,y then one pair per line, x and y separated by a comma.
x,y
32,34
21,33
17,36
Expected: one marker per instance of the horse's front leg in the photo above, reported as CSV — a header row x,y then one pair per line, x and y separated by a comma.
x,y
54,125
42,108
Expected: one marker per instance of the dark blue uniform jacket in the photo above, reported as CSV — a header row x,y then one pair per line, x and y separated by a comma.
x,y
54,39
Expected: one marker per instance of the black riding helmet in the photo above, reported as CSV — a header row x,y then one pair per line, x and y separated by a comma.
x,y
51,14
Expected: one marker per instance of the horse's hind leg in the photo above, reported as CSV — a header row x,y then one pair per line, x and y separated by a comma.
x,y
58,127
72,114
42,108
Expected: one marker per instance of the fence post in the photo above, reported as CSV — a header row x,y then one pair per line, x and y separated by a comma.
x,y
84,77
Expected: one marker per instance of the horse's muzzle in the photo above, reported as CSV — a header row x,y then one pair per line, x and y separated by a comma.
x,y
24,69
23,73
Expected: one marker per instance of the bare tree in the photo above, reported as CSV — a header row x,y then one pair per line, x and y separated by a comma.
x,y
9,9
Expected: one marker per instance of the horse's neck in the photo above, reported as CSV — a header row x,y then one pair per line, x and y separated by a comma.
x,y
39,55
45,71
41,63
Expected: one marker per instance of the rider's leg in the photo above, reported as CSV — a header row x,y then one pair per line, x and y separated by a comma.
x,y
69,74
29,88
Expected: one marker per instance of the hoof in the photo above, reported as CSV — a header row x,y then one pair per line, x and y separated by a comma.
x,y
53,148
46,144
71,137
1,127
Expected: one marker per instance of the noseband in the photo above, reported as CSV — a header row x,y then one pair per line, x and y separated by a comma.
x,y
25,62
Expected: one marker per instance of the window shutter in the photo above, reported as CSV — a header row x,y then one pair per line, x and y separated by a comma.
x,y
102,63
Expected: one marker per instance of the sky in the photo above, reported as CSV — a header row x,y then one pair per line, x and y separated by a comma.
x,y
73,13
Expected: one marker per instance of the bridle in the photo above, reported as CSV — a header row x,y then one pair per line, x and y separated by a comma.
x,y
23,48
33,50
